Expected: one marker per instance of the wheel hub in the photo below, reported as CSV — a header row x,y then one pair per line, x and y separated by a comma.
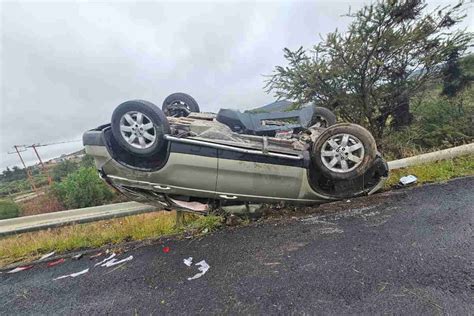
x,y
342,153
138,130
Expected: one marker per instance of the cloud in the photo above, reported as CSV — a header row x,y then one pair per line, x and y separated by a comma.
x,y
66,65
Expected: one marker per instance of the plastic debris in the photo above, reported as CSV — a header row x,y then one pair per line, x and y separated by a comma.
x,y
188,261
105,260
55,263
73,275
47,255
96,255
406,180
115,262
78,256
18,269
166,249
203,267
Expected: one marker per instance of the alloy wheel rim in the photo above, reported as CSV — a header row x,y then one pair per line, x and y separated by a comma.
x,y
138,130
342,153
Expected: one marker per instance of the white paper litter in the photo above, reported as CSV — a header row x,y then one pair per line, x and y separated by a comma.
x,y
105,260
188,261
78,256
19,269
115,262
47,255
406,180
73,275
203,267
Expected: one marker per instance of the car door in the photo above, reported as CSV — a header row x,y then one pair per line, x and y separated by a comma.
x,y
191,170
257,177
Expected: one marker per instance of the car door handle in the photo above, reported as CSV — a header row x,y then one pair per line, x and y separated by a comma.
x,y
228,197
161,187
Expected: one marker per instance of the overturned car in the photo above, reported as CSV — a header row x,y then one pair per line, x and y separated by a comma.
x,y
199,162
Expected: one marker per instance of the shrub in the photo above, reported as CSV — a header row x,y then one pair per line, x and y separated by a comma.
x,y
63,169
82,188
87,161
438,123
8,209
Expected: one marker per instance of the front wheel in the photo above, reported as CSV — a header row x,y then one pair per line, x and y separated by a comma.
x,y
139,127
344,151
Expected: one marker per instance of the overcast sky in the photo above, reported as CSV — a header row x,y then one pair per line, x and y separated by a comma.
x,y
65,66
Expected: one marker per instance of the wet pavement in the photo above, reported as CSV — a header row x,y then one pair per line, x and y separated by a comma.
x,y
410,251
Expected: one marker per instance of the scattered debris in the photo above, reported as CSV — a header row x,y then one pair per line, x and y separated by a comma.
x,y
96,255
72,275
115,262
166,249
203,267
18,269
105,260
188,261
232,220
47,255
407,180
55,263
193,206
78,256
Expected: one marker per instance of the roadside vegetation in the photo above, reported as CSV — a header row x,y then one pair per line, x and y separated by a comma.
x,y
435,172
29,246
82,188
75,185
8,209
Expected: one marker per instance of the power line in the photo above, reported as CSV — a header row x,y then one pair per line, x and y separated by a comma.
x,y
56,143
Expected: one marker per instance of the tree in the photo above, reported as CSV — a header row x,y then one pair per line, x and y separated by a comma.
x,y
369,74
454,80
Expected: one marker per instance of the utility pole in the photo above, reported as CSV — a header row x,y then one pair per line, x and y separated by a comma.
x,y
28,173
43,168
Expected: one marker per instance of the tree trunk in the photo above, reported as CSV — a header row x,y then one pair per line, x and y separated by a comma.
x,y
401,112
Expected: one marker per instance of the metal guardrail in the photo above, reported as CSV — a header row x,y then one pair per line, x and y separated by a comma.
x,y
434,156
89,214
96,213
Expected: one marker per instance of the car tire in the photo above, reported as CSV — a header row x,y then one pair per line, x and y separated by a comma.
x,y
179,105
139,127
322,117
344,151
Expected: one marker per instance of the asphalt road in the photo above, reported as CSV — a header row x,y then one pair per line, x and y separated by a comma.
x,y
408,252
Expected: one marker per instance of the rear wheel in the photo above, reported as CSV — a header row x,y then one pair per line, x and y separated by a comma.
x,y
344,151
179,104
322,117
139,127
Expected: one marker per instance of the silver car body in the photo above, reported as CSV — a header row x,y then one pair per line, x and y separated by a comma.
x,y
216,164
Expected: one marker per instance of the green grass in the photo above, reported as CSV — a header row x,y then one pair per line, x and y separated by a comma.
x,y
435,171
32,245
8,209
